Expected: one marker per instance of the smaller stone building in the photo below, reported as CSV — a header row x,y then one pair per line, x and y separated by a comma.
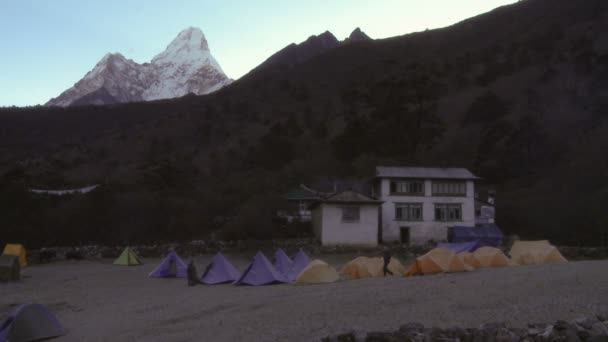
x,y
346,218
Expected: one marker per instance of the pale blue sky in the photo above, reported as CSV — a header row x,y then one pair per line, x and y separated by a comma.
x,y
47,46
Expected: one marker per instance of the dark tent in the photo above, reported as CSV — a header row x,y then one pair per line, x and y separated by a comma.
x,y
30,322
488,235
9,268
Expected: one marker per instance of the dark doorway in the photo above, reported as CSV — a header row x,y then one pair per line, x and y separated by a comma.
x,y
405,235
380,224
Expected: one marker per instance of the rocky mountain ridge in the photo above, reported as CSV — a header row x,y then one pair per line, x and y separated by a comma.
x,y
315,45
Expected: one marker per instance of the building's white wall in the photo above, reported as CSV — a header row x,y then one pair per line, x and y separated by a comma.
x,y
428,228
336,232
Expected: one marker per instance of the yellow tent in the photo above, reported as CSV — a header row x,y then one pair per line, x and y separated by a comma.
x,y
437,260
535,252
128,257
317,272
16,250
490,257
356,268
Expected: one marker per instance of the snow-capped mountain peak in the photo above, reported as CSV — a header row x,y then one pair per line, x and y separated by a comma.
x,y
190,46
190,38
186,66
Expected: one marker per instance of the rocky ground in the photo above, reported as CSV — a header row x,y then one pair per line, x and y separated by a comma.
x,y
98,301
593,328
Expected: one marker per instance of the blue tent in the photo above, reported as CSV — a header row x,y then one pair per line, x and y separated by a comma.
x,y
486,235
30,322
260,272
459,247
300,261
282,262
220,271
172,266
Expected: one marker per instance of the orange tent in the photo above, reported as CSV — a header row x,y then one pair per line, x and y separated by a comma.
x,y
365,267
356,268
490,257
437,260
535,252
469,260
317,272
375,266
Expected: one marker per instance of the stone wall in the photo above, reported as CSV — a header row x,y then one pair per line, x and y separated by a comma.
x,y
199,247
291,246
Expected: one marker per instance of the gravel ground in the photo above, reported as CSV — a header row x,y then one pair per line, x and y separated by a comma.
x,y
98,301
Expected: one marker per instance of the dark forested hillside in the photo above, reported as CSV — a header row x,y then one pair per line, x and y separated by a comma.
x,y
519,95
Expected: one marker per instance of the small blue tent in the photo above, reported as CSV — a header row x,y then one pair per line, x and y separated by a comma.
x,y
172,266
486,235
300,261
30,322
282,262
220,271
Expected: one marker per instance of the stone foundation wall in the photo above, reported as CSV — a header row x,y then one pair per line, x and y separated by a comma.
x,y
291,246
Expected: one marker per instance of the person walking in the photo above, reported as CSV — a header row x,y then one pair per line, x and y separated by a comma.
x,y
192,278
387,260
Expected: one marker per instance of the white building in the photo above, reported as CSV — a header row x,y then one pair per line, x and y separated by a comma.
x,y
420,203
346,218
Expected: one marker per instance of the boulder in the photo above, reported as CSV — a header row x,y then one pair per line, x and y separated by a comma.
x,y
382,337
598,331
583,335
348,337
506,335
585,322
564,332
412,327
457,333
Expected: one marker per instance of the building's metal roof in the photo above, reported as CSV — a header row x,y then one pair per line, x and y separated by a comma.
x,y
424,172
350,196
327,186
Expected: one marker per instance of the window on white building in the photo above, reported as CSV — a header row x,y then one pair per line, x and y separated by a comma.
x,y
350,214
448,212
449,188
411,187
408,211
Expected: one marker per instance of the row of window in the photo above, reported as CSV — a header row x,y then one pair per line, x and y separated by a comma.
x,y
413,212
416,187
